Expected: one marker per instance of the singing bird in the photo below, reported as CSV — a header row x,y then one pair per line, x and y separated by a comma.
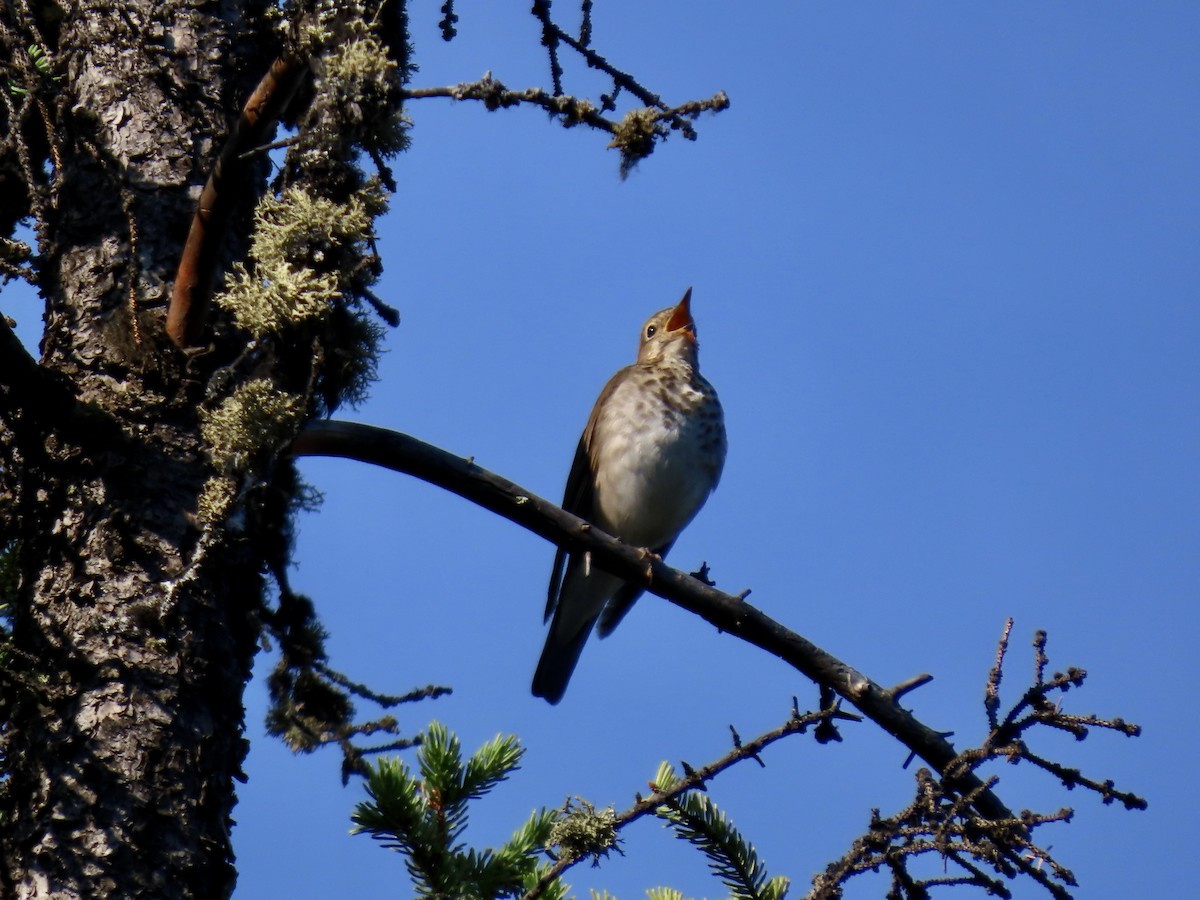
x,y
651,453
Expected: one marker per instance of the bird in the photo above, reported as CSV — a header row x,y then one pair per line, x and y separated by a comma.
x,y
650,455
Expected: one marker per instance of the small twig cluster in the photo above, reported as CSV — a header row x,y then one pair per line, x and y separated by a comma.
x,y
634,136
943,823
943,819
1036,708
312,704
674,118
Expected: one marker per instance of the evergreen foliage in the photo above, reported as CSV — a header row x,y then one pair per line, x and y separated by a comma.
x,y
423,815
696,819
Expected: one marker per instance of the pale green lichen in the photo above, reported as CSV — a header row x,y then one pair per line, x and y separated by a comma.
x,y
216,499
276,296
299,226
363,61
255,420
355,93
251,424
359,77
356,100
635,135
301,258
325,18
305,287
583,830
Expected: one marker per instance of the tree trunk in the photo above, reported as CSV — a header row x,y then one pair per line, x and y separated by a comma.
x,y
135,631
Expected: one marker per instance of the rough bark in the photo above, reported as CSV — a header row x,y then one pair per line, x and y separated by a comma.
x,y
139,482
134,635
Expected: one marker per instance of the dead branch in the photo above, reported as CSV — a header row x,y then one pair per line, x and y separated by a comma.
x,y
225,187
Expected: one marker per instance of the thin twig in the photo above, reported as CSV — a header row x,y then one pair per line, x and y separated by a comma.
x,y
387,701
541,11
267,148
991,696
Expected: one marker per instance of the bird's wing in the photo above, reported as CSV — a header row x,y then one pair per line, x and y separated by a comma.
x,y
579,496
577,499
623,601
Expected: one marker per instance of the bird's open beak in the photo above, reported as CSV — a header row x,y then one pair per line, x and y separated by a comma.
x,y
681,318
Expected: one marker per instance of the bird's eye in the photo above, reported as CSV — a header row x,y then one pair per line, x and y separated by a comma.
x,y
651,330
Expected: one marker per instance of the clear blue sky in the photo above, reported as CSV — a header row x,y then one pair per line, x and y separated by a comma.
x,y
946,261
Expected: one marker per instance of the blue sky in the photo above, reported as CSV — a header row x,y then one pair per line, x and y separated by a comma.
x,y
945,262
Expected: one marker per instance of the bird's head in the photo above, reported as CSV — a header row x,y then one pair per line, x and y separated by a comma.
x,y
669,334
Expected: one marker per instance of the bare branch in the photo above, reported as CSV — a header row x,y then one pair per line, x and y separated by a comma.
x,y
991,697
552,33
1035,708
387,701
403,453
911,684
942,824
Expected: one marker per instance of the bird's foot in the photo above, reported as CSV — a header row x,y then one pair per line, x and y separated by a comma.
x,y
649,557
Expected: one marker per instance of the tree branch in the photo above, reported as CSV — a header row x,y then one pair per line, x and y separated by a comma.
x,y
206,239
728,613
14,261
28,391
552,33
634,136
494,95
694,780
15,361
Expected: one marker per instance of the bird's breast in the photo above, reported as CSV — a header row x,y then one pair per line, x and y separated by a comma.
x,y
657,453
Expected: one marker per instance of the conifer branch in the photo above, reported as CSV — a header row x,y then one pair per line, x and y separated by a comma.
x,y
424,814
696,819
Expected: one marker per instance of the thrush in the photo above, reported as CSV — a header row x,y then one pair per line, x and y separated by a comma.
x,y
651,453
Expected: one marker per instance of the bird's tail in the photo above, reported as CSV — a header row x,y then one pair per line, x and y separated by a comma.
x,y
580,602
558,661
